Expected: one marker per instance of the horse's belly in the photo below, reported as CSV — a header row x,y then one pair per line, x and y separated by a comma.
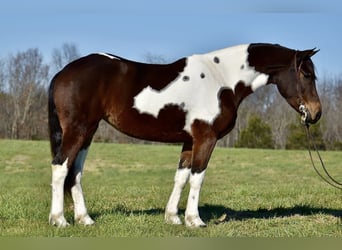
x,y
168,126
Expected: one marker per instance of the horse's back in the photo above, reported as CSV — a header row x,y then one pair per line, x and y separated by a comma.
x,y
100,69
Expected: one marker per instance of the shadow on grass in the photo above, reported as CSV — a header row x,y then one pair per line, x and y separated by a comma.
x,y
221,214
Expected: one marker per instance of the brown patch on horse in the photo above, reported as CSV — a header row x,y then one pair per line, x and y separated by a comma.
x,y
229,103
204,140
268,59
170,123
157,76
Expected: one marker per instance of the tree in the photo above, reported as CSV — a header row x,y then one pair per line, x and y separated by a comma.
x,y
155,59
64,55
27,74
330,91
3,102
2,75
257,134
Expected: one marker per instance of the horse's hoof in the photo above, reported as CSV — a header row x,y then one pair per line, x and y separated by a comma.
x,y
172,219
84,220
194,221
58,221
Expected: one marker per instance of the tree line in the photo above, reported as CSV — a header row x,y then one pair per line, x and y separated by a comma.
x,y
264,118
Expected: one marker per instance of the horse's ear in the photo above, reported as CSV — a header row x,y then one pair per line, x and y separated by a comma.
x,y
313,52
306,54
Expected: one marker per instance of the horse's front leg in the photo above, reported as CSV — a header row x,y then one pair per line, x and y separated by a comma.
x,y
192,218
171,211
204,143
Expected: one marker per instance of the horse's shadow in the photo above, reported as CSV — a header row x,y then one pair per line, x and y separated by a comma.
x,y
221,214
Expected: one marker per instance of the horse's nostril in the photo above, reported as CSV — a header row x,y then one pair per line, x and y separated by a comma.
x,y
318,116
315,118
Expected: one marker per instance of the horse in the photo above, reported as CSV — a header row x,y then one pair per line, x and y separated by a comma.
x,y
192,101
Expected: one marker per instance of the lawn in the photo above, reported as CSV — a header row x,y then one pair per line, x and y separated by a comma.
x,y
267,193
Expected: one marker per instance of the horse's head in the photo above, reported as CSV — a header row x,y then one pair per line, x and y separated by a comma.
x,y
293,73
296,83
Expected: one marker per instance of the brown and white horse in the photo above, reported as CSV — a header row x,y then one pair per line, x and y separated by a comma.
x,y
193,101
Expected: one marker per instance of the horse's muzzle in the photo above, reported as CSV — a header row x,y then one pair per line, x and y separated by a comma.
x,y
309,117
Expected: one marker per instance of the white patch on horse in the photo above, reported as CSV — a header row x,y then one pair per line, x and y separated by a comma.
x,y
196,89
109,56
171,211
259,81
192,218
59,173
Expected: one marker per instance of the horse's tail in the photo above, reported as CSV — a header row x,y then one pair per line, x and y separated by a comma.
x,y
55,130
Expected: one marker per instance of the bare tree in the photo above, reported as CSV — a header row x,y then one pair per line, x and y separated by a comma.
x,y
2,75
3,101
331,98
154,58
64,55
26,75
279,116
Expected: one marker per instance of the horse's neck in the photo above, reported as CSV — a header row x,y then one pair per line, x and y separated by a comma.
x,y
230,66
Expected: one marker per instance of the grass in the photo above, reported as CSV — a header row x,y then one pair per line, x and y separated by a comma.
x,y
266,193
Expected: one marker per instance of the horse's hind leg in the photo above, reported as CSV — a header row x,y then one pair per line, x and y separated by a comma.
x,y
65,171
80,210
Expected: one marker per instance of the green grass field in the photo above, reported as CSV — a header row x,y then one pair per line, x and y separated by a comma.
x,y
268,193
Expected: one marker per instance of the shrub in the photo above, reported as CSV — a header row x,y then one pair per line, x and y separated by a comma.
x,y
257,134
297,138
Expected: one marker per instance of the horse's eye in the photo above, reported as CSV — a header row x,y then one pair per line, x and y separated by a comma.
x,y
306,75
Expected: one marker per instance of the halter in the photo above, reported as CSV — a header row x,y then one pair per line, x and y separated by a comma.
x,y
302,109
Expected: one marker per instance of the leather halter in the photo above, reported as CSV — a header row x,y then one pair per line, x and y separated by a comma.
x,y
302,108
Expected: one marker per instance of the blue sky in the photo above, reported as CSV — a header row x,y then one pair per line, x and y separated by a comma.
x,y
173,28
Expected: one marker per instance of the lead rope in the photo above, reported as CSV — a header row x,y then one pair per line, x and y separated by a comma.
x,y
329,179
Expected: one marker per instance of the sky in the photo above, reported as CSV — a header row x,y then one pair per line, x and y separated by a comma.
x,y
172,28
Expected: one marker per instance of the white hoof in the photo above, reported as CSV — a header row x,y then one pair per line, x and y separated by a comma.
x,y
172,219
84,220
194,221
58,221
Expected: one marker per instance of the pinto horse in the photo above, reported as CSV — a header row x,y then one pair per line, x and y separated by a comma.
x,y
193,101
